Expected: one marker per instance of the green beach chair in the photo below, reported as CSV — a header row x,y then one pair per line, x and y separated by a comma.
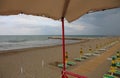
x,y
117,73
109,76
61,65
70,63
78,59
118,64
97,52
84,57
88,54
102,49
81,58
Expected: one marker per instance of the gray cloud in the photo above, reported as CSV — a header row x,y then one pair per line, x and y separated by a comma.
x,y
98,23
104,22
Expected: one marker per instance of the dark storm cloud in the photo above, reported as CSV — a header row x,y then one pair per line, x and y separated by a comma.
x,y
106,22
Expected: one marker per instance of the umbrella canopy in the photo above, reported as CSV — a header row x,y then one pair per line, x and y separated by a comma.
x,y
70,9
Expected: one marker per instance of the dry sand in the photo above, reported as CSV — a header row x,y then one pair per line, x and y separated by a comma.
x,y
41,62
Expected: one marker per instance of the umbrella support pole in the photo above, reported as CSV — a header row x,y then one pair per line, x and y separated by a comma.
x,y
63,43
63,49
64,72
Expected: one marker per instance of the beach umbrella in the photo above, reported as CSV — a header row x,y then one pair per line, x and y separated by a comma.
x,y
57,9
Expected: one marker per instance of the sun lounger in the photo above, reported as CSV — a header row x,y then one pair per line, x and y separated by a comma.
x,y
78,59
61,65
69,63
88,54
109,76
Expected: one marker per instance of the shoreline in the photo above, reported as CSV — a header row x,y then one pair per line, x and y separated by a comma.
x,y
66,38
41,47
41,62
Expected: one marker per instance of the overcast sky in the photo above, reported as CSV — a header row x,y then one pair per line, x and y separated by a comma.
x,y
98,23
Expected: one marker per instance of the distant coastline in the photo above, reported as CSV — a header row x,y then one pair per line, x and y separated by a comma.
x,y
66,38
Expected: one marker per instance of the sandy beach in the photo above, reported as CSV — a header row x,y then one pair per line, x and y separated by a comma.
x,y
41,62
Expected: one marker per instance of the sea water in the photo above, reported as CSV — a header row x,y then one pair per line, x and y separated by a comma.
x,y
9,42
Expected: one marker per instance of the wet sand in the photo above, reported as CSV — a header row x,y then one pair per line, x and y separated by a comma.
x,y
42,62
